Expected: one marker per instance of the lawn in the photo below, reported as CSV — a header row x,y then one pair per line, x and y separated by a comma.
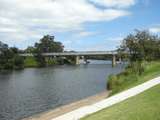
x,y
145,106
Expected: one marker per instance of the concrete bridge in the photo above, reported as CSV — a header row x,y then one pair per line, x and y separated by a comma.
x,y
78,55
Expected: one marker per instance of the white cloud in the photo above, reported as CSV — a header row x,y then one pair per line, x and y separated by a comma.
x,y
84,34
29,18
110,43
155,29
115,3
8,30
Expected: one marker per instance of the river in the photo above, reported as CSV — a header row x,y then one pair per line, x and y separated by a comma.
x,y
34,90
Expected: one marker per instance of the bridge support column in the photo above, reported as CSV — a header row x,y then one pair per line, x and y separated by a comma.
x,y
114,61
77,60
120,60
85,59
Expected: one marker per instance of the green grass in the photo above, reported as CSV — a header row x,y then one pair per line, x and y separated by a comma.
x,y
30,62
51,62
125,80
145,106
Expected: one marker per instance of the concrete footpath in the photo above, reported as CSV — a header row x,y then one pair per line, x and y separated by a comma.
x,y
86,110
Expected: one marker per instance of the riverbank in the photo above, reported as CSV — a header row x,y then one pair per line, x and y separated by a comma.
x,y
104,104
138,105
31,62
145,106
68,108
128,79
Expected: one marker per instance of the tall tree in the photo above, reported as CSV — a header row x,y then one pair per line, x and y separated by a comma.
x,y
9,58
46,45
141,46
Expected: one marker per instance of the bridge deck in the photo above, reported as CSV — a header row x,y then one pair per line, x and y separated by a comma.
x,y
74,53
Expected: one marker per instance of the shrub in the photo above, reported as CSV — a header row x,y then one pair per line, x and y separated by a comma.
x,y
18,62
130,74
30,62
112,82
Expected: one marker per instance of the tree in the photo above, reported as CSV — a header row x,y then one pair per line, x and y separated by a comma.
x,y
46,45
9,58
141,46
18,62
30,49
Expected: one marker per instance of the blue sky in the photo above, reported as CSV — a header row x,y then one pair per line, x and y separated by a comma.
x,y
78,24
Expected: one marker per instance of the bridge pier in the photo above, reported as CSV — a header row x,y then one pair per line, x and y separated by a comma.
x,y
85,60
77,60
113,60
120,60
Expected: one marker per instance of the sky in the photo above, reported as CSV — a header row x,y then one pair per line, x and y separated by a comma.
x,y
81,25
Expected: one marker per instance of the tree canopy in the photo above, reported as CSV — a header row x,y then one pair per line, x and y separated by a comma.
x,y
46,45
141,45
9,58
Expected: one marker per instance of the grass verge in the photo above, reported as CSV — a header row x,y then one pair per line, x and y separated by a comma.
x,y
145,106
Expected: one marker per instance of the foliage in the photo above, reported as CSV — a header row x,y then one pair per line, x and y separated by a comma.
x,y
18,62
9,58
30,62
141,46
46,44
112,82
30,49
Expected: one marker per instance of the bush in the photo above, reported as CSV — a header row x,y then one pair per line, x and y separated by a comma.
x,y
9,64
113,81
30,62
129,75
18,62
138,67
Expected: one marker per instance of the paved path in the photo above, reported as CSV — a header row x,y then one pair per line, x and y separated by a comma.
x,y
83,111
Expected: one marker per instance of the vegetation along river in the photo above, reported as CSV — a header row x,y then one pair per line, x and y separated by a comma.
x,y
34,90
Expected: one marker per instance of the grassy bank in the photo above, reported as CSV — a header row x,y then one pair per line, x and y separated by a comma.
x,y
145,106
128,79
30,62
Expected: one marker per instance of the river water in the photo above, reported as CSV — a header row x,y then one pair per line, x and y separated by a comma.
x,y
34,90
